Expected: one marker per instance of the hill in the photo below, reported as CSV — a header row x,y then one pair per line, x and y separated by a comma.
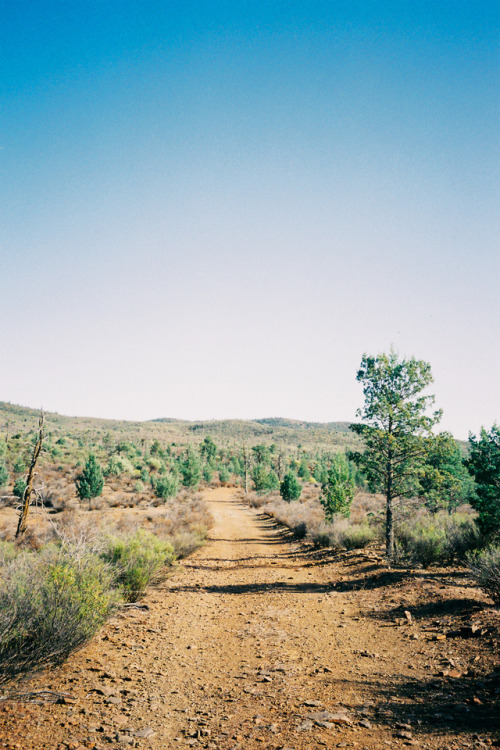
x,y
16,419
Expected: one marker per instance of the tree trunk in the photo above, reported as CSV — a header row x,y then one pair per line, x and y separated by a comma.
x,y
23,518
245,458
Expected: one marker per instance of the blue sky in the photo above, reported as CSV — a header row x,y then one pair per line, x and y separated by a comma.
x,y
212,209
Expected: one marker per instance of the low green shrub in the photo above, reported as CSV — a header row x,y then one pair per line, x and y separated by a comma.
x,y
136,559
166,486
485,567
19,487
50,604
343,534
439,538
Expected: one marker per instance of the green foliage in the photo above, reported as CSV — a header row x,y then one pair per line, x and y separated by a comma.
x,y
395,427
114,467
190,469
265,480
303,470
484,463
207,473
485,567
19,466
166,486
338,489
19,487
262,454
90,483
4,475
136,559
436,538
208,449
50,604
444,480
223,474
290,488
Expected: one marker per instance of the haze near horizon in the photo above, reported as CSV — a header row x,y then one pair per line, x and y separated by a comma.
x,y
212,209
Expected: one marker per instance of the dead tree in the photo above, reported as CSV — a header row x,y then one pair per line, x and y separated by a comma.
x,y
23,518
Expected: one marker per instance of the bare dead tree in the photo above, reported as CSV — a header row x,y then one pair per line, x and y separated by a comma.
x,y
23,518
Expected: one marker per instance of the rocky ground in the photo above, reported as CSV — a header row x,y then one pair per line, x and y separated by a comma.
x,y
257,641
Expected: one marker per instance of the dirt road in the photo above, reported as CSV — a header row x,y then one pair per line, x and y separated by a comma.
x,y
253,643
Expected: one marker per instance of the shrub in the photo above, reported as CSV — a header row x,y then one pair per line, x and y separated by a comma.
x,y
166,486
342,534
223,474
90,482
264,479
290,488
136,560
438,538
485,567
4,475
50,604
338,489
190,469
19,487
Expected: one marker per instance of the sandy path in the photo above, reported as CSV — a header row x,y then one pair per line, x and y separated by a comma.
x,y
232,649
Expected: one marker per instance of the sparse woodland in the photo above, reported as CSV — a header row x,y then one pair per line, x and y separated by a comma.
x,y
115,504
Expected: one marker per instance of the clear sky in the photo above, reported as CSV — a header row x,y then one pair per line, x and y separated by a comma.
x,y
211,209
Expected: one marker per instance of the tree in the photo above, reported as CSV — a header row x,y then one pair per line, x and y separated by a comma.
x,y
444,479
264,479
395,426
28,489
290,488
484,463
208,449
90,483
338,488
190,469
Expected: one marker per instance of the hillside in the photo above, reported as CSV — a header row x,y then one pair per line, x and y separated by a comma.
x,y
284,432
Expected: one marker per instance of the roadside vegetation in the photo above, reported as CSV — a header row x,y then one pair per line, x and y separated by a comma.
x,y
113,506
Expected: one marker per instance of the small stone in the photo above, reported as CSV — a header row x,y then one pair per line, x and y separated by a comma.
x,y
365,723
403,734
313,704
306,726
145,733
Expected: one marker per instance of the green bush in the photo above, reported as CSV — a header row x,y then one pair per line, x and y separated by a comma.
x,y
290,488
19,466
223,474
338,489
190,469
19,487
136,559
438,538
90,483
50,604
166,486
4,475
343,534
485,567
207,473
265,480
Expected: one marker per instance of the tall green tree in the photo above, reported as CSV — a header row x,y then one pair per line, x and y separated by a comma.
x,y
395,424
484,463
90,483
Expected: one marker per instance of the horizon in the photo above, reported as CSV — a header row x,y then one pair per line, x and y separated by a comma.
x,y
218,208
